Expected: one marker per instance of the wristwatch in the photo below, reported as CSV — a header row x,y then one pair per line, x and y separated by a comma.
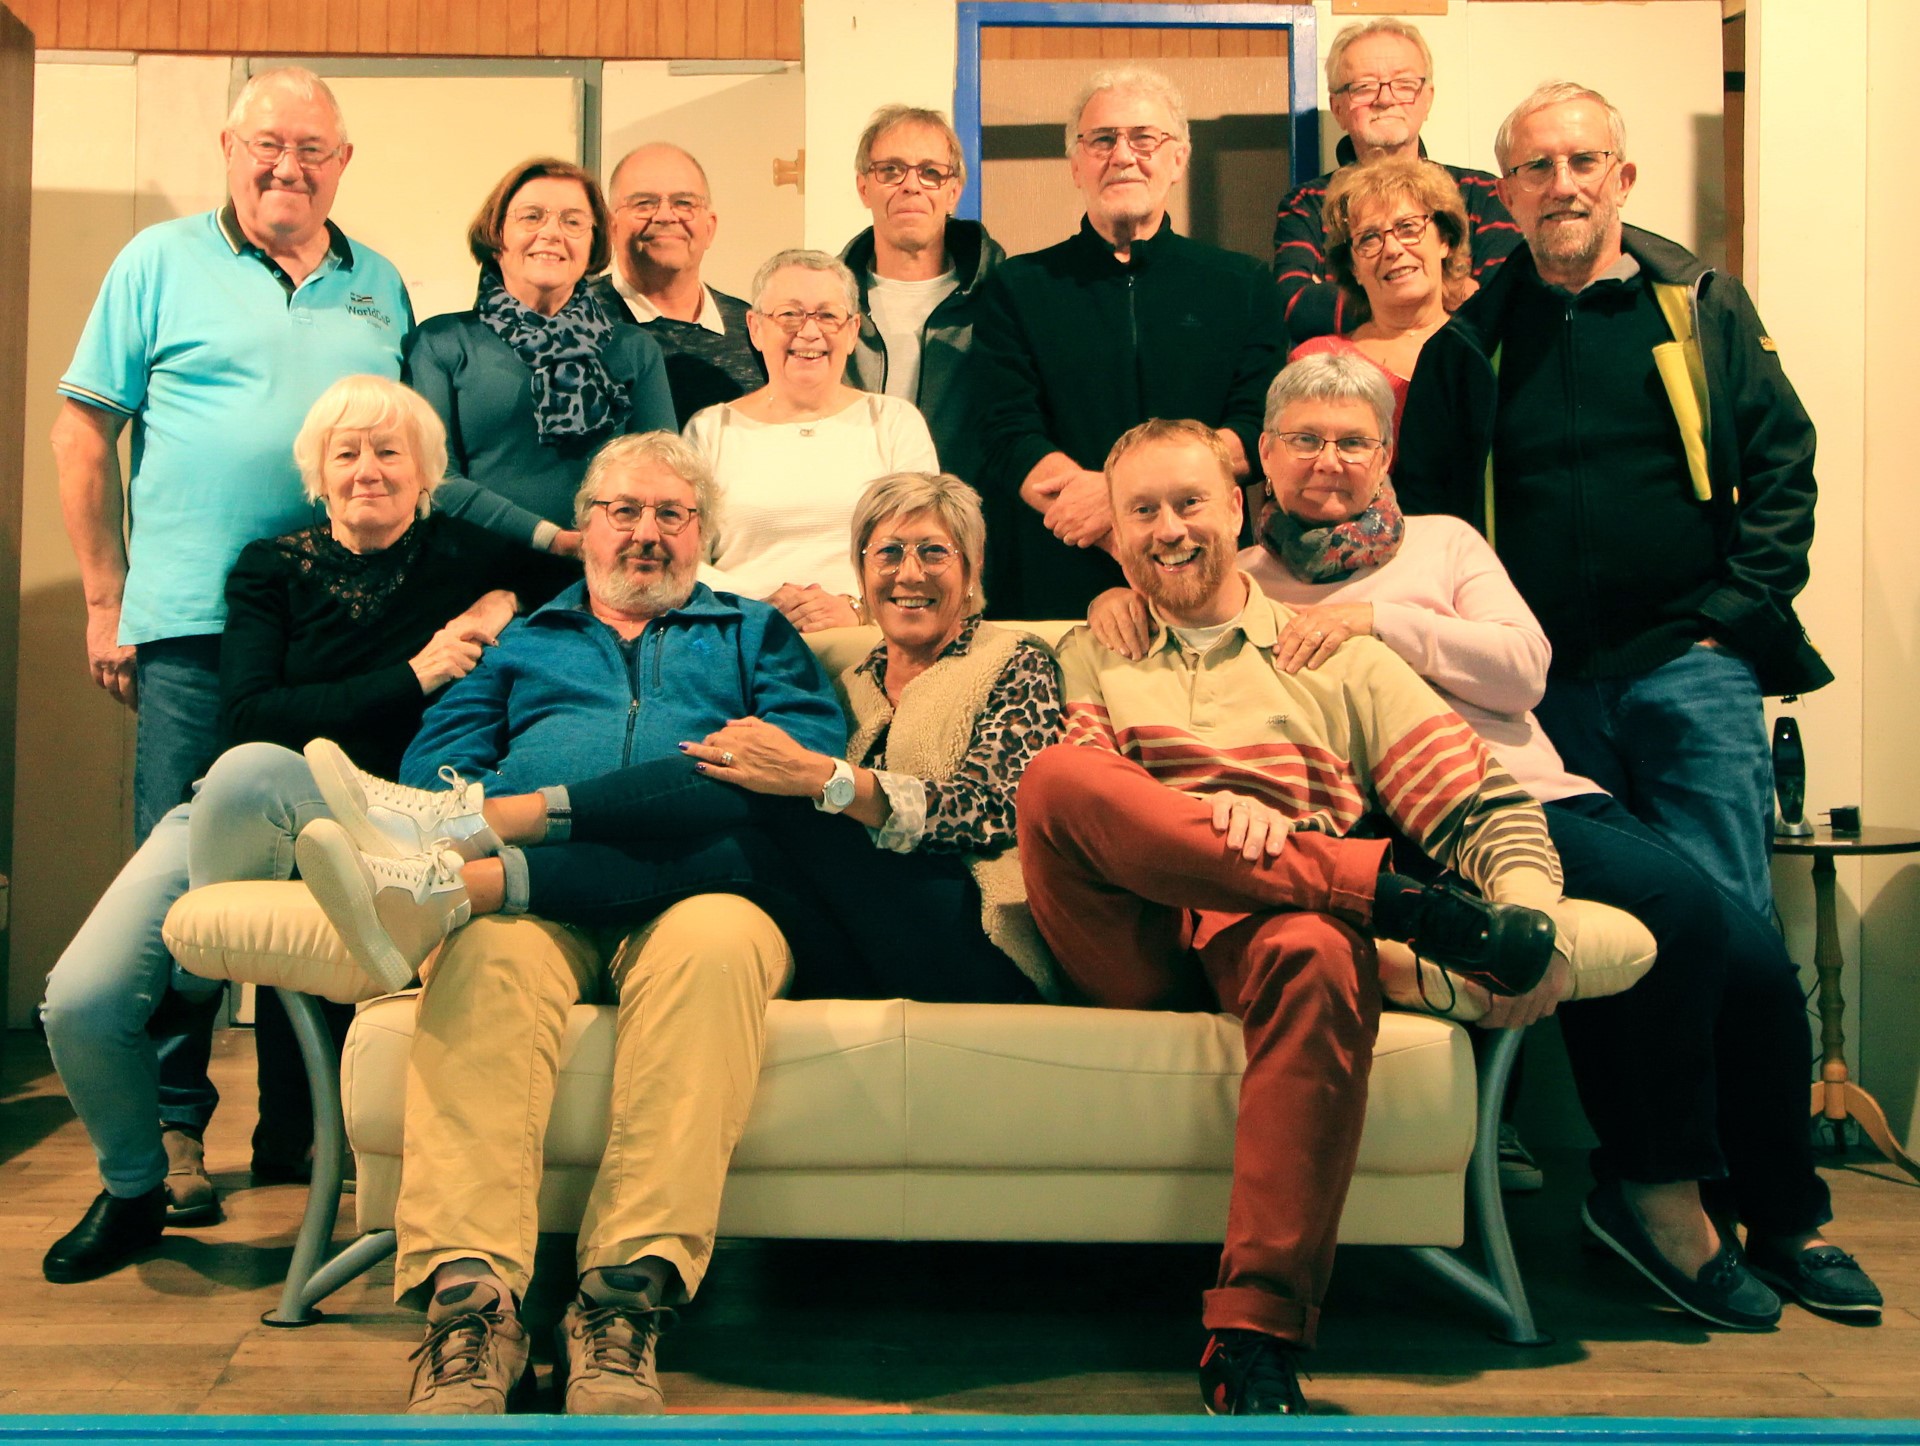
x,y
839,790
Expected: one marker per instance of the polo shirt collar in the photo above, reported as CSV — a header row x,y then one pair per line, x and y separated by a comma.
x,y
644,310
1256,621
228,220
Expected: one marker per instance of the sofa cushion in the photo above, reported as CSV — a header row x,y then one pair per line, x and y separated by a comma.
x,y
264,932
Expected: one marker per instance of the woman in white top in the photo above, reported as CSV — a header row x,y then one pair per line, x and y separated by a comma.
x,y
794,457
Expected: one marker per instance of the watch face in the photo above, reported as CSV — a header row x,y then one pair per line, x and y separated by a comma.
x,y
839,791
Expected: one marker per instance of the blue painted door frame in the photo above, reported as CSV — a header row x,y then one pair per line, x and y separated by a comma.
x,y
1303,138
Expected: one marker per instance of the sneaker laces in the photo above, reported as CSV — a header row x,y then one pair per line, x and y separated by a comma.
x,y
419,876
616,1338
456,1349
1264,1366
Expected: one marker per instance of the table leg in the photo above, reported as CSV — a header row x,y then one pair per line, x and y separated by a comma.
x,y
1835,1096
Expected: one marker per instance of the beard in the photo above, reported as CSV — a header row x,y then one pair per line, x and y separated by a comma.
x,y
1572,247
620,589
1182,594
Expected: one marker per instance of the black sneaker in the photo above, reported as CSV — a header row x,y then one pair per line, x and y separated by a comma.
x,y
1245,1373
1504,948
1724,1293
1822,1278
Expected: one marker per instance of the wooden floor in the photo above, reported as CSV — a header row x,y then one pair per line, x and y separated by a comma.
x,y
899,1328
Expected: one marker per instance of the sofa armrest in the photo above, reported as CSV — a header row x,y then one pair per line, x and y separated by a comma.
x,y
267,933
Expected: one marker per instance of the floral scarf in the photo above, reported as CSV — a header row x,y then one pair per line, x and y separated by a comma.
x,y
572,394
1333,552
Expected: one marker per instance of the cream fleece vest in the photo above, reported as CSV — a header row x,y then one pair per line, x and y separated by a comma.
x,y
928,738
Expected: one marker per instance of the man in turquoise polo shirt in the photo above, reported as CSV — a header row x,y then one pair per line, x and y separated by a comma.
x,y
213,334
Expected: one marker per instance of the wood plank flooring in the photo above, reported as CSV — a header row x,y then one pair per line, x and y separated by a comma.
x,y
913,1328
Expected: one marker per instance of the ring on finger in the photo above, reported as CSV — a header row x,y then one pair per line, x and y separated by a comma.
x,y
726,759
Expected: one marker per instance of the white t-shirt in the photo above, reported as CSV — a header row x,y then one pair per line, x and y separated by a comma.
x,y
900,310
787,489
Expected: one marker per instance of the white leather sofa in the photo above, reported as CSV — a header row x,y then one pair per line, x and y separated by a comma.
x,y
896,1120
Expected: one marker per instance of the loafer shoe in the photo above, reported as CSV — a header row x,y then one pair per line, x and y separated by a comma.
x,y
110,1234
1724,1293
190,1197
1822,1278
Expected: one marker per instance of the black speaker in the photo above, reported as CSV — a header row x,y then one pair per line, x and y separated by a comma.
x,y
1790,778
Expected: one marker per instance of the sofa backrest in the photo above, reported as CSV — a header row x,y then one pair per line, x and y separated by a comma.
x,y
840,648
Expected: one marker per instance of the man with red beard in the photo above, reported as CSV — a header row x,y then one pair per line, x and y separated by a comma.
x,y
1186,848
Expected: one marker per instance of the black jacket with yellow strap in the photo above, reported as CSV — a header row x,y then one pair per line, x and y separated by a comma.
x,y
1749,444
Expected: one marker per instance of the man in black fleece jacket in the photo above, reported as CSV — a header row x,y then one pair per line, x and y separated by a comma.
x,y
1611,414
1123,321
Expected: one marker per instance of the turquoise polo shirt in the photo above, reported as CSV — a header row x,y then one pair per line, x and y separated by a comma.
x,y
216,355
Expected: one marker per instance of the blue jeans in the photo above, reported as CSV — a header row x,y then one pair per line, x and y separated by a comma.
x,y
241,825
174,743
1684,748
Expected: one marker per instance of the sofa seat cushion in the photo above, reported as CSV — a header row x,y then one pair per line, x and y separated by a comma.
x,y
267,933
891,1085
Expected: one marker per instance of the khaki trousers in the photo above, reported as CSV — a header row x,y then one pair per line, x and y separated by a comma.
x,y
692,988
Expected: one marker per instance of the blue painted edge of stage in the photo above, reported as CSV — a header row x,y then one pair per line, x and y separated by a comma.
x,y
930,1430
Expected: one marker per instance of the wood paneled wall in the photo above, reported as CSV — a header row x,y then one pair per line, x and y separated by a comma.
x,y
590,29
1074,43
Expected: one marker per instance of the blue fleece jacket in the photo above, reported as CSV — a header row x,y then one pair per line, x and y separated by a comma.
x,y
562,699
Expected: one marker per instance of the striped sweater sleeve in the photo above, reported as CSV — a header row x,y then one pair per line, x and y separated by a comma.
x,y
1435,778
1086,705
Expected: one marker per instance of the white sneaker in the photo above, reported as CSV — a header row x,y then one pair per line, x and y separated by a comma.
x,y
390,913
396,821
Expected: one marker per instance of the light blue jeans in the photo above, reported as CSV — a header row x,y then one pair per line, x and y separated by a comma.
x,y
241,824
1684,747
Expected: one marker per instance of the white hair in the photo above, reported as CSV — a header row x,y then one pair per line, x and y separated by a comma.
x,y
1129,80
294,80
1558,92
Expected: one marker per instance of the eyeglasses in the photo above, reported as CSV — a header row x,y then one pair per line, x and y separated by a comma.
x,y
1407,230
572,223
887,557
1400,90
892,173
268,151
1308,446
1583,166
624,514
1141,140
686,205
792,319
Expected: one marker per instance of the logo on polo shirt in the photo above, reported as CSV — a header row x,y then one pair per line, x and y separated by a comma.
x,y
361,304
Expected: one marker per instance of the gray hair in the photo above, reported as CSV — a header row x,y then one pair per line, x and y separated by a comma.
x,y
954,505
1331,377
1361,30
294,80
889,116
668,449
365,403
1558,92
1129,80
804,260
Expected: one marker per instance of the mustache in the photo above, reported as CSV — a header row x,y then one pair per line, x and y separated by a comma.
x,y
649,551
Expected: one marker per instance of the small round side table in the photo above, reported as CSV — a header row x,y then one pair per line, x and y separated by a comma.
x,y
1836,1096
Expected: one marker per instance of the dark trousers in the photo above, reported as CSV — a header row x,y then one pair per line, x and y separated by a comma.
x,y
862,922
1145,908
1699,1071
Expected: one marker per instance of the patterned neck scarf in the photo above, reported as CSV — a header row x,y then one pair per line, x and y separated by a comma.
x,y
1333,552
572,394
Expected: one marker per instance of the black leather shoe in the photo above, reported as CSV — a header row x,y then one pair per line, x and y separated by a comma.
x,y
1504,948
1245,1373
1724,1293
1822,1278
110,1234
